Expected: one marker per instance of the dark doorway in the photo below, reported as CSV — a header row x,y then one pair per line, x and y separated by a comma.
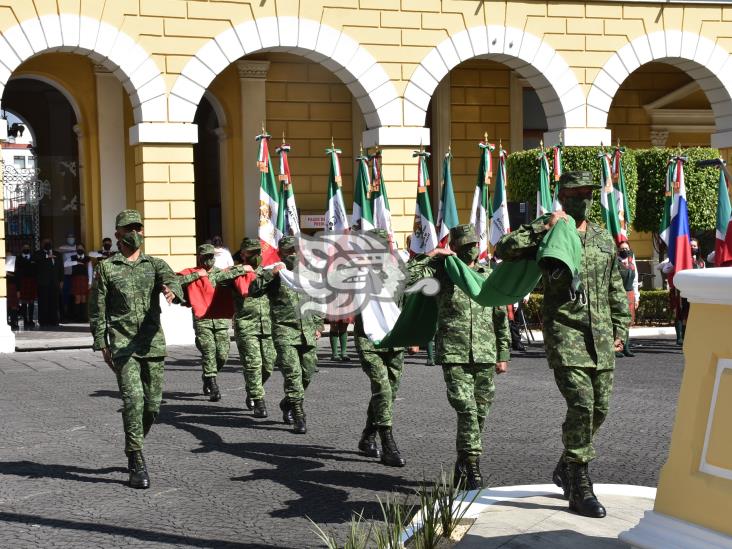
x,y
207,173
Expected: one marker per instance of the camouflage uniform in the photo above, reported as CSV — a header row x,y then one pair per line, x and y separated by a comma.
x,y
253,332
125,317
578,337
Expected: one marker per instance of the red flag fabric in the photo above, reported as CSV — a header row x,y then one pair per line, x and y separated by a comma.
x,y
206,301
241,283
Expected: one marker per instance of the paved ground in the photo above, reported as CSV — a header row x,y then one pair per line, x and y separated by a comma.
x,y
222,479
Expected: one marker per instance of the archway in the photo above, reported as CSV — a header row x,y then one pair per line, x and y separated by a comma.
x,y
207,171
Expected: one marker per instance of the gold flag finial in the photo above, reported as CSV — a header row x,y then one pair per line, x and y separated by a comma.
x,y
332,145
360,149
283,137
561,139
500,143
449,148
541,144
485,138
618,142
263,130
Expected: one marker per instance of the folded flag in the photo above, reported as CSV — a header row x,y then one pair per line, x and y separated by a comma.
x,y
205,300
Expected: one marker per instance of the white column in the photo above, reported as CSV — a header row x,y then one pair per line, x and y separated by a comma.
x,y
7,337
252,79
441,124
111,130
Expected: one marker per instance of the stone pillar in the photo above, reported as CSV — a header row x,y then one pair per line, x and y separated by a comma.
x,y
694,495
111,128
252,80
7,337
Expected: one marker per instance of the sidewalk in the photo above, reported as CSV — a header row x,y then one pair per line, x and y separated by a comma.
x,y
528,517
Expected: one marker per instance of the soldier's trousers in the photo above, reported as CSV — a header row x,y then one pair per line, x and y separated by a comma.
x,y
257,354
587,392
470,391
297,363
213,343
384,369
140,382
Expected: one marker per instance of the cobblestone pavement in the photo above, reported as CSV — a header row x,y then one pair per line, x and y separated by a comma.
x,y
220,478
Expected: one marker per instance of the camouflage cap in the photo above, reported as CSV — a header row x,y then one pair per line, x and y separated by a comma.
x,y
462,235
128,217
250,244
287,243
574,180
206,249
379,233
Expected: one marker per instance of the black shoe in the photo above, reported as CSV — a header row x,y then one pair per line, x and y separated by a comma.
x,y
334,357
286,412
250,403
206,385
298,416
368,445
626,350
260,408
519,347
467,473
215,393
582,499
138,471
389,452
429,362
619,354
560,477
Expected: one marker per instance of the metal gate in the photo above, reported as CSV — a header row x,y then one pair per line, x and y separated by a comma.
x,y
22,194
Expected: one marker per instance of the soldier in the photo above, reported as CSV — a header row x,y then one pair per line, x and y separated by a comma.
x,y
125,323
582,331
471,343
253,332
384,369
294,337
49,281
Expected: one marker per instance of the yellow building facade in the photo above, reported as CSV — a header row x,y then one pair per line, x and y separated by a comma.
x,y
166,96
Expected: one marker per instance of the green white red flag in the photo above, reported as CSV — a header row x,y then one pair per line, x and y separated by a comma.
x,y
447,216
363,214
608,202
621,194
424,235
557,150
288,220
480,211
543,194
269,231
723,243
664,229
336,218
379,198
500,224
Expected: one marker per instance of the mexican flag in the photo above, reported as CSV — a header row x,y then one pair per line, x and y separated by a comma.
x,y
723,244
500,224
480,210
363,214
288,220
269,231
379,199
447,216
663,230
543,195
424,237
557,161
620,193
608,201
336,218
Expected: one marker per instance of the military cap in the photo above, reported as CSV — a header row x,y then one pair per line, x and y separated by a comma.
x,y
574,180
250,244
128,217
379,233
206,249
287,243
462,235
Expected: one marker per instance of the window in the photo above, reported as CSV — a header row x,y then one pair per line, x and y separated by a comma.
x,y
19,162
30,162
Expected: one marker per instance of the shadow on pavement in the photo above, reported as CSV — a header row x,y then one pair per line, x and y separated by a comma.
x,y
567,539
32,469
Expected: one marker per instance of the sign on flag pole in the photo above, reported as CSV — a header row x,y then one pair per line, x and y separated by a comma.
x,y
447,216
480,211
424,235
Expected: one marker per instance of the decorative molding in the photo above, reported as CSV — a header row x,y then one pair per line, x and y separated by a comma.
x,y
396,137
249,68
101,69
704,466
659,137
163,133
713,286
659,531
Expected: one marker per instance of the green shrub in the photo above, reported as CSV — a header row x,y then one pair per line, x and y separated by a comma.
x,y
522,169
701,188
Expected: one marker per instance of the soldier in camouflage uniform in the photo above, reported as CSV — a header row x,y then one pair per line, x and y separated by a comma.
x,y
471,343
294,337
384,369
125,323
253,331
581,331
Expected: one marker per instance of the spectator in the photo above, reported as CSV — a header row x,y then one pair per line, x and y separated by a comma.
x,y
12,291
67,250
629,274
106,250
49,280
25,277
81,277
222,255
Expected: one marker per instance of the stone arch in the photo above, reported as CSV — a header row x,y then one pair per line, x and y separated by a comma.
x,y
706,62
334,49
103,43
536,61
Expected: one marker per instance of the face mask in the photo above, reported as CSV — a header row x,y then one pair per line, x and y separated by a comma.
x,y
695,252
290,261
577,207
71,241
80,253
133,239
209,263
468,255
107,247
26,252
625,254
47,246
254,260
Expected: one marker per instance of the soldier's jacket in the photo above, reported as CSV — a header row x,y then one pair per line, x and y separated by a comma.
x,y
287,326
577,334
467,333
124,309
252,314
217,277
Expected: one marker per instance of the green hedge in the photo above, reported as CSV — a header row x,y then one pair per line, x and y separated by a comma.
x,y
701,188
653,308
522,169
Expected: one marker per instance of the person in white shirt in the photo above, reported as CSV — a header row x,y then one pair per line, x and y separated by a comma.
x,y
222,255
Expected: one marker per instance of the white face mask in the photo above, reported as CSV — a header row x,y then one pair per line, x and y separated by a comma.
x,y
71,241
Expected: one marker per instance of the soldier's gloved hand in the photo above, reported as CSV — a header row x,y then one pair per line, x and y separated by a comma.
x,y
501,367
247,268
317,334
168,294
556,216
202,272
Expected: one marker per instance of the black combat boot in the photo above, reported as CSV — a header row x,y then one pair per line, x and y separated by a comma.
x,y
250,403
582,499
298,415
206,385
389,452
561,475
627,350
467,473
260,408
286,412
215,393
138,471
367,444
679,327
